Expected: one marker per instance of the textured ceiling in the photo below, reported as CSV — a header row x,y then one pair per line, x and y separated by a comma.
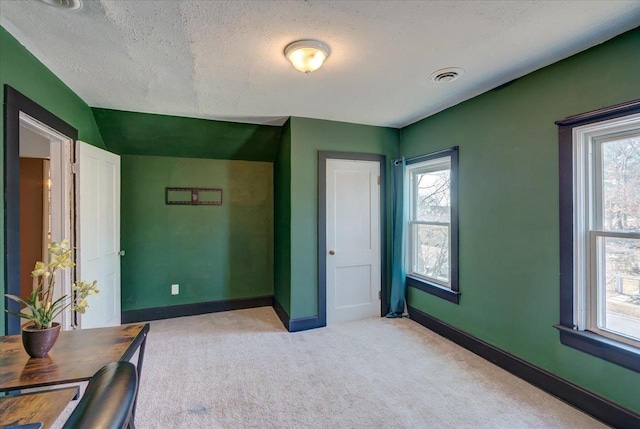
x,y
223,59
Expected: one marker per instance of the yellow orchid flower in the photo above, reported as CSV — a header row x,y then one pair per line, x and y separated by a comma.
x,y
44,308
39,270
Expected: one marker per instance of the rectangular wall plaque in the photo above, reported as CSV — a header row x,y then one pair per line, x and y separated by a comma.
x,y
193,196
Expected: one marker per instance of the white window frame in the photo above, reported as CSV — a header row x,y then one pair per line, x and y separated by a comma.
x,y
437,164
589,302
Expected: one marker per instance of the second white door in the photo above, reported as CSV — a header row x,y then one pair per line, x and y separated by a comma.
x,y
99,233
353,240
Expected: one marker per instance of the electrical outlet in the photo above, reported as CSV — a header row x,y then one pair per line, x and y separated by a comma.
x,y
175,289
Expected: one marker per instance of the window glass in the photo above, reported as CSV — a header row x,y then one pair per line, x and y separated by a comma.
x,y
433,196
619,286
432,251
613,220
599,188
621,184
430,220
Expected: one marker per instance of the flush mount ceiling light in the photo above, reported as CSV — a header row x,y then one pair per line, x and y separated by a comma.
x,y
64,4
446,75
307,55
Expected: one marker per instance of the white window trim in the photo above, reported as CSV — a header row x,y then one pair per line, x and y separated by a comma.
x,y
585,227
432,165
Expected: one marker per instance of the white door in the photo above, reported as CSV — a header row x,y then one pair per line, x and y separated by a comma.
x,y
98,241
353,240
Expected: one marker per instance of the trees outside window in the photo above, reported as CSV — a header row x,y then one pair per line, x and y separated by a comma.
x,y
615,228
599,154
432,223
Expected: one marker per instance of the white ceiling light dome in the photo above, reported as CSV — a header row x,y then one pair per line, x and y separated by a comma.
x,y
307,55
64,4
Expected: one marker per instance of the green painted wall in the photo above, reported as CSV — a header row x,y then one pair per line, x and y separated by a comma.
x,y
21,70
508,201
131,133
282,220
308,136
213,252
509,208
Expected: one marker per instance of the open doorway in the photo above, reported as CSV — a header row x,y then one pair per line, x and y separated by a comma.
x,y
38,196
82,205
45,202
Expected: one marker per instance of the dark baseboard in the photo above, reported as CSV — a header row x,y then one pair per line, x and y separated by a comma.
x,y
194,309
280,311
304,323
589,402
295,325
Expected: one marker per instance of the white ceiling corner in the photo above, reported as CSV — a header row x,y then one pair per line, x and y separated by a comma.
x,y
224,59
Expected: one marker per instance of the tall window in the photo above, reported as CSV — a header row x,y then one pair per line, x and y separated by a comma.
x,y
607,219
432,228
605,232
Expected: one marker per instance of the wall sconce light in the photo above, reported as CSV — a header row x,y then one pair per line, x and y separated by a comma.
x,y
307,55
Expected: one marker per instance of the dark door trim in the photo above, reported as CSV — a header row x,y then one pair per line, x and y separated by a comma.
x,y
14,103
322,227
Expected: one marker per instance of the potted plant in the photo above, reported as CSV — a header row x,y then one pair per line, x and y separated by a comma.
x,y
40,308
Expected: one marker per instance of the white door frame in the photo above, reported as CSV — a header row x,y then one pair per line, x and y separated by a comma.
x,y
61,202
322,227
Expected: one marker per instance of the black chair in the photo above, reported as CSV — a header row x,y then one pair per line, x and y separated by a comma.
x,y
108,399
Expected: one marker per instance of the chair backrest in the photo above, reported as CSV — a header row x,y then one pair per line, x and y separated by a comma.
x,y
108,399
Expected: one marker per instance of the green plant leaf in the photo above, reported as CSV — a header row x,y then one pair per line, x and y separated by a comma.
x,y
22,301
16,298
22,315
62,298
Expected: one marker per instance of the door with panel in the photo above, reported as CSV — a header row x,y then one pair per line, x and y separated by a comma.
x,y
353,240
98,228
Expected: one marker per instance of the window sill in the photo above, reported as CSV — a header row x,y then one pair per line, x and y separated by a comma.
x,y
605,348
434,289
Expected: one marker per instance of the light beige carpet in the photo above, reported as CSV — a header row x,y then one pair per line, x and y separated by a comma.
x,y
241,369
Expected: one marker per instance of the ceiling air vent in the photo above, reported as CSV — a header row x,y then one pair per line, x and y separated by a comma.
x,y
446,75
64,4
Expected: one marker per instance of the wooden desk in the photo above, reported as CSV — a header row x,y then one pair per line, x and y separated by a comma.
x,y
43,406
75,357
